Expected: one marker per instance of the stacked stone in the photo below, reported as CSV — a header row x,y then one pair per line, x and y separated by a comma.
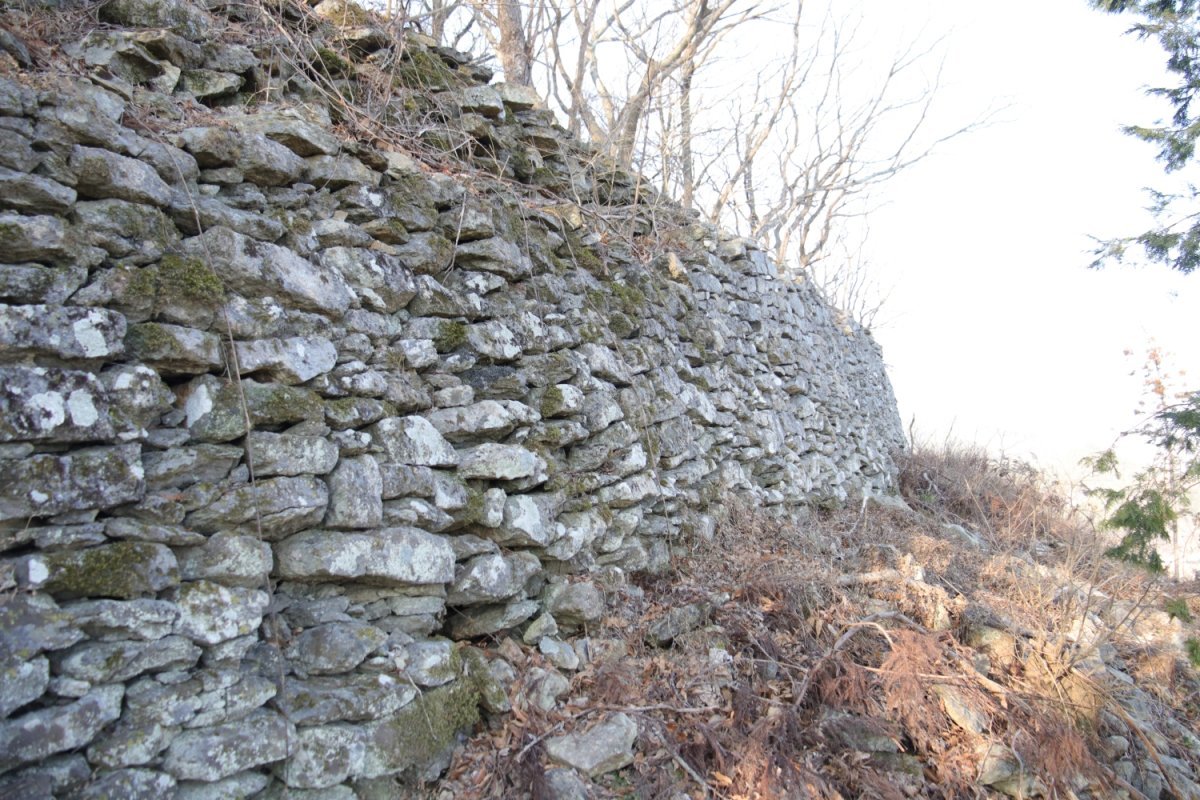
x,y
284,419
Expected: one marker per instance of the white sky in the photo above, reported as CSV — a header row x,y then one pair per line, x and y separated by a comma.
x,y
995,330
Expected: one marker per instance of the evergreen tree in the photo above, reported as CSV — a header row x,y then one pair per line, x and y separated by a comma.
x,y
1159,496
1157,503
1175,24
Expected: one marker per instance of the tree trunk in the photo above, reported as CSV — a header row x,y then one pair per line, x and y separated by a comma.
x,y
515,56
748,186
687,167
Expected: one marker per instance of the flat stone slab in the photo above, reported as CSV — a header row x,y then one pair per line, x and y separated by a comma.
x,y
210,613
68,333
604,748
33,623
260,268
505,462
22,682
390,556
100,174
123,570
210,754
492,577
38,734
281,505
334,648
293,360
61,405
475,621
94,478
352,698
413,441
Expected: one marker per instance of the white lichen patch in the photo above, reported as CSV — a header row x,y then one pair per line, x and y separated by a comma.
x,y
90,337
47,410
36,572
199,403
125,380
82,409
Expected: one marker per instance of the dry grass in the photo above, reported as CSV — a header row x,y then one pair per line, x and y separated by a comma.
x,y
1009,501
864,615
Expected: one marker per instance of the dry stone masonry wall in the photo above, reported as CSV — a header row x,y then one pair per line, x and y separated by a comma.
x,y
287,419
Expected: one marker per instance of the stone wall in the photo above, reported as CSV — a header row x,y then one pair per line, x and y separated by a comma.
x,y
287,419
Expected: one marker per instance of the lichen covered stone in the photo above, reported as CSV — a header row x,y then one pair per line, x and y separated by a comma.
x,y
390,556
124,570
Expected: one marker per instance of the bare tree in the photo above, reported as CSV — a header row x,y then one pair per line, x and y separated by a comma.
x,y
789,152
452,23
608,71
513,35
827,142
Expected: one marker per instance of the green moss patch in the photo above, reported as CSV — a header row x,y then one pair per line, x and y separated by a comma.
x,y
451,336
584,257
124,570
188,279
422,730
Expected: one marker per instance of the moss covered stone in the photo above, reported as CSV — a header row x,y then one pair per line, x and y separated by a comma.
x,y
421,69
355,412
268,404
141,286
575,486
451,335
552,401
148,341
273,404
591,333
630,298
124,570
331,63
475,509
173,348
621,325
93,478
424,729
583,256
493,695
188,279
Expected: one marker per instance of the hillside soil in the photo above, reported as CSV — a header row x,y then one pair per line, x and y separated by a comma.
x,y
968,641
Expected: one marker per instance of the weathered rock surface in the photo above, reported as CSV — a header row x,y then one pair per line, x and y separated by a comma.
x,y
285,415
492,577
334,648
210,754
94,478
124,570
210,613
606,747
389,556
354,698
38,734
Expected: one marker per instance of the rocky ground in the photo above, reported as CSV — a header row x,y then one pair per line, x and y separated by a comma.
x,y
956,643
